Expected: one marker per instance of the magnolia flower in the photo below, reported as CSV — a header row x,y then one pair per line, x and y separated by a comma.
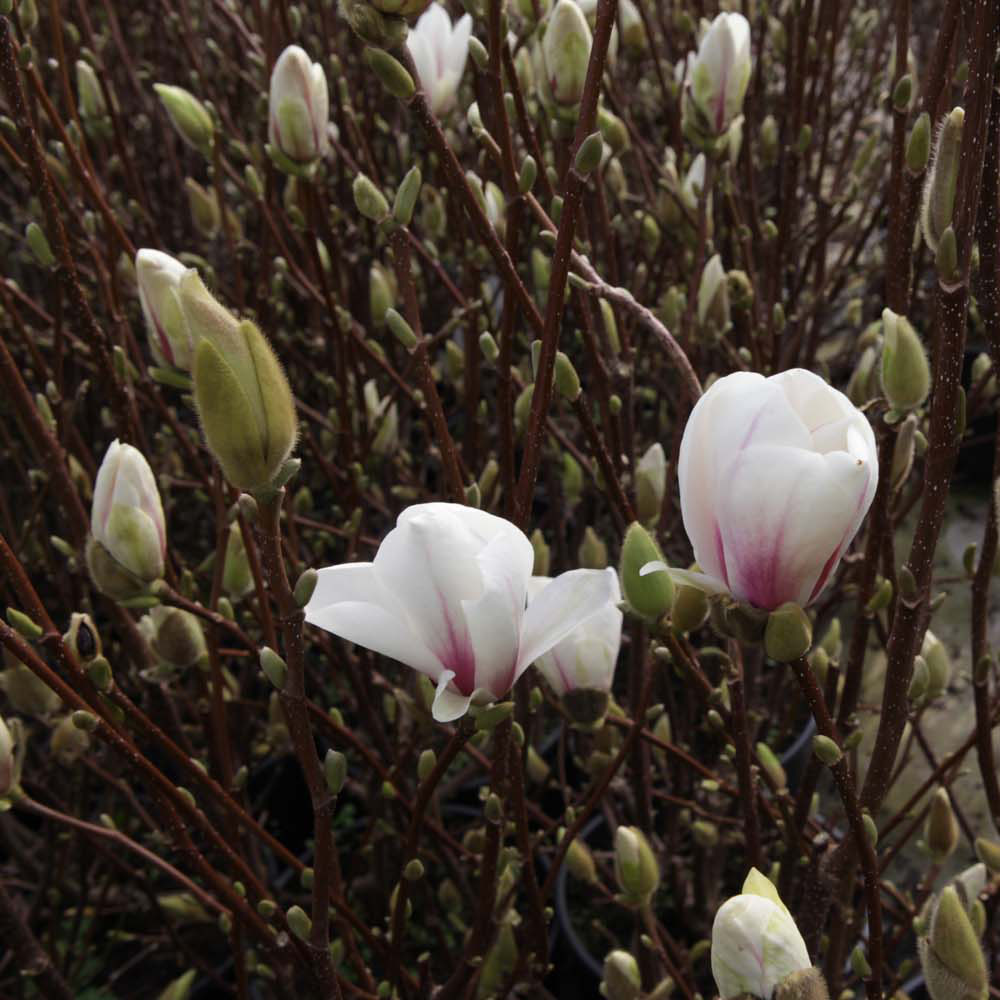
x,y
299,107
159,275
6,759
719,74
127,515
776,475
446,595
439,49
755,943
562,56
586,658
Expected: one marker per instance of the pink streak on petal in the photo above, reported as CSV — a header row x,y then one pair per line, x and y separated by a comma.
x,y
720,554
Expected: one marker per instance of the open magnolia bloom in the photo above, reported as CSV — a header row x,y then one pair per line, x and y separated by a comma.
x,y
446,595
586,658
755,942
439,51
720,72
776,475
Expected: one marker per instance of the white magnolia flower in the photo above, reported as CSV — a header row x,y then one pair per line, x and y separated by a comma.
x,y
586,658
299,107
439,49
446,595
127,515
720,72
755,943
776,475
158,276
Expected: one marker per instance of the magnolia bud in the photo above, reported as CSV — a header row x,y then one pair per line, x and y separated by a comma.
x,y
406,196
565,55
645,577
8,769
942,179
381,292
938,665
368,200
89,93
335,771
593,553
580,862
650,483
69,743
391,72
298,108
950,955
206,215
237,580
274,667
176,636
189,116
806,984
126,522
988,851
827,750
588,156
158,276
718,77
299,922
27,693
636,868
621,980
690,608
906,375
542,553
244,400
941,828
372,25
771,765
713,297
788,634
918,146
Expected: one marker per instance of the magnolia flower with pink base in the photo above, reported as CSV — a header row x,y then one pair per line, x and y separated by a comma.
x,y
719,74
446,594
776,475
298,107
586,658
439,49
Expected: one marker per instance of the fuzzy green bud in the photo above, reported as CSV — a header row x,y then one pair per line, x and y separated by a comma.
x,y
406,196
918,146
368,200
951,957
400,329
621,979
941,828
588,156
189,117
788,633
636,867
645,578
274,667
304,587
826,750
941,182
392,74
906,375
299,922
651,483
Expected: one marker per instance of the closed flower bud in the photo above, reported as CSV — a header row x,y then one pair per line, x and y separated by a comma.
x,y
718,76
919,681
392,74
27,693
636,867
68,742
713,298
565,54
274,667
406,196
690,608
381,292
175,636
588,156
244,400
651,483
158,276
204,207
593,553
755,943
788,634
189,116
8,769
827,750
806,984
645,577
621,980
988,852
542,552
368,200
918,146
580,862
335,771
941,829
906,375
439,50
941,181
938,665
771,765
299,922
298,108
127,517
950,955
237,580
89,93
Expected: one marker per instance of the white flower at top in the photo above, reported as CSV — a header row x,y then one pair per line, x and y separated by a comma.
x,y
439,49
446,595
159,277
720,72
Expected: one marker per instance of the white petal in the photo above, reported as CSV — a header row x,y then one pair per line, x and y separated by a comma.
x,y
350,602
104,489
700,581
423,59
435,25
458,46
564,604
448,703
494,619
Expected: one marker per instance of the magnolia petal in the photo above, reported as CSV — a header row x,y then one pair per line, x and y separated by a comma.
x,y
457,50
449,704
104,488
494,619
700,581
569,600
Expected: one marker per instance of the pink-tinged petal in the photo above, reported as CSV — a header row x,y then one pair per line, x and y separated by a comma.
x,y
350,602
569,600
783,514
742,408
104,488
701,581
448,704
494,619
